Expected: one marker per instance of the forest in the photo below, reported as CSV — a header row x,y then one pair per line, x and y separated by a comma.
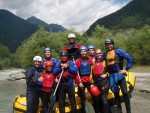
x,y
135,42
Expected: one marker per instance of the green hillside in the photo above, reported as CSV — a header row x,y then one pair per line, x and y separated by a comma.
x,y
134,15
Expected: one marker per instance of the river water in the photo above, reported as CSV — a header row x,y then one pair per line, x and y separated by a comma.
x,y
10,89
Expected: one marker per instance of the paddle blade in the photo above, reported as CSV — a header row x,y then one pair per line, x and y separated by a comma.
x,y
89,107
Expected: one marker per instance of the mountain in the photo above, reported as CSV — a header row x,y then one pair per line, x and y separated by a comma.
x,y
48,27
13,29
134,15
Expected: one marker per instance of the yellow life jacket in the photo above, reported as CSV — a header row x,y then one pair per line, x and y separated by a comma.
x,y
110,58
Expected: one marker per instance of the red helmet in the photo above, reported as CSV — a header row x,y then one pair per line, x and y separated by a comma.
x,y
49,63
94,90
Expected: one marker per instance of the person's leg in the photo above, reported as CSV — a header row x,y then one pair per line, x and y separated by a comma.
x,y
104,88
44,99
123,87
32,101
71,94
96,104
62,97
52,100
105,103
117,99
82,96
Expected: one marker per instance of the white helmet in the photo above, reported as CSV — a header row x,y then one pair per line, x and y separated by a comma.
x,y
71,36
37,58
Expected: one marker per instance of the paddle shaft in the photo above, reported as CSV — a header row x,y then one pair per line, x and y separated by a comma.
x,y
51,107
58,83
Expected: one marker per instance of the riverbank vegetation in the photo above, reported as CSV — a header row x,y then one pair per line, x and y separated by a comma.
x,y
135,42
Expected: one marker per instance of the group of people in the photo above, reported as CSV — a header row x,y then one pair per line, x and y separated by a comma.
x,y
86,67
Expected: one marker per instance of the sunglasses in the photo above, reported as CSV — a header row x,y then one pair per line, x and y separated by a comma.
x,y
98,53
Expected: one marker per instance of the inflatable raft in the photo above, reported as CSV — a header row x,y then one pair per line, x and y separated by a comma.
x,y
19,104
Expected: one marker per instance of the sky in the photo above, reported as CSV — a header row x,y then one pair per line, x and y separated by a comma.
x,y
71,14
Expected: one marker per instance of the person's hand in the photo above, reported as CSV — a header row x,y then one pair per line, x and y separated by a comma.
x,y
40,79
122,71
81,85
64,66
56,80
104,75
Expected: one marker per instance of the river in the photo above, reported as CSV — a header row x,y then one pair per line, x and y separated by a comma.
x,y
10,89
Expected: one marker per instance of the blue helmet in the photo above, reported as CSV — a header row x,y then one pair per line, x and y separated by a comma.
x,y
83,48
47,49
91,47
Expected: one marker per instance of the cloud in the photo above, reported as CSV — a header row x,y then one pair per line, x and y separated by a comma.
x,y
77,14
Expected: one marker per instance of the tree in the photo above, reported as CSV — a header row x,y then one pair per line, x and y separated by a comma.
x,y
4,51
138,45
99,35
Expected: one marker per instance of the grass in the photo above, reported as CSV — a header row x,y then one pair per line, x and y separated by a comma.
x,y
140,69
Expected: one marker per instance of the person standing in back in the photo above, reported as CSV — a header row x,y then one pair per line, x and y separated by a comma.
x,y
91,51
48,57
73,47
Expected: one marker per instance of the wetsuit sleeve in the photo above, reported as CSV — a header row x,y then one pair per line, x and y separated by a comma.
x,y
77,63
42,64
57,69
126,56
31,77
72,68
55,61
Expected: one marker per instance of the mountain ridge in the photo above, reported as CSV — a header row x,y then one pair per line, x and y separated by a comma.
x,y
14,29
134,15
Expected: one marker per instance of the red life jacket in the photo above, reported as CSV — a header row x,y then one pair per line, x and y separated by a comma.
x,y
98,68
70,46
48,81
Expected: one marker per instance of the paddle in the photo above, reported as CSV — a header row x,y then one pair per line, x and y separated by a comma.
x,y
88,106
51,108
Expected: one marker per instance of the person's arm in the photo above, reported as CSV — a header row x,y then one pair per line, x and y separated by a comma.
x,y
31,78
104,71
57,69
126,56
72,68
55,61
